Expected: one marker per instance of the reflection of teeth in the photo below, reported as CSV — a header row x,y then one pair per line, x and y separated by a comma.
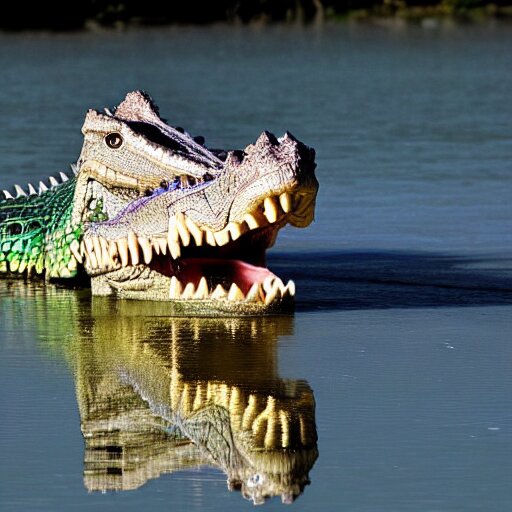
x,y
235,293
133,245
270,209
219,293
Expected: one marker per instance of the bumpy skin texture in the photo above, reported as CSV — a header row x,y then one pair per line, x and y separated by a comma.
x,y
153,214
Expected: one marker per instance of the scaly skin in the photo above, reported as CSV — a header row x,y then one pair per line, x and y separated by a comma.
x,y
153,214
36,234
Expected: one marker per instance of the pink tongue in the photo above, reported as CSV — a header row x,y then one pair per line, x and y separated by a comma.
x,y
221,271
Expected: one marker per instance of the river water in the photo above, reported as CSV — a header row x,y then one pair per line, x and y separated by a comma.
x,y
398,358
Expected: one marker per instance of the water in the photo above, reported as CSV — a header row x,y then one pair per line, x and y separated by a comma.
x,y
402,331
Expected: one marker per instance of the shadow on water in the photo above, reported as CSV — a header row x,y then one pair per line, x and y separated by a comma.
x,y
376,280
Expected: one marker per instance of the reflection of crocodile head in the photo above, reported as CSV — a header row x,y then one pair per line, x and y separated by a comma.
x,y
158,395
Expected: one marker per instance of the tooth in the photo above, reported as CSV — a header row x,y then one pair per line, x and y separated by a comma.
x,y
254,294
175,289
268,283
279,284
42,187
174,248
202,289
133,245
97,251
53,182
182,229
188,292
146,249
105,255
112,251
289,289
210,239
271,295
254,220
22,267
270,209
196,233
162,245
31,189
89,245
235,293
155,247
75,249
122,246
285,199
222,237
172,233
219,293
236,230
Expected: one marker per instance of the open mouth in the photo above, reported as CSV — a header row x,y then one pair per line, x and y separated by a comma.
x,y
191,263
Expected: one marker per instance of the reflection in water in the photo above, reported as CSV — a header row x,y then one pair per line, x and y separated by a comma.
x,y
158,395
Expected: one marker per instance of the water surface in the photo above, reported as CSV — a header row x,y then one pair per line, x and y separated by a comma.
x,y
398,357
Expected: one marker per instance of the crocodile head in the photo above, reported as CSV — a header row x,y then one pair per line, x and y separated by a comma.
x,y
167,219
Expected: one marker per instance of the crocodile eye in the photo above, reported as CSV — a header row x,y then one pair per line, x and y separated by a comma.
x,y
114,140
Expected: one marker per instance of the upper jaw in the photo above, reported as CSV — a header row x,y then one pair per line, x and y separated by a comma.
x,y
272,178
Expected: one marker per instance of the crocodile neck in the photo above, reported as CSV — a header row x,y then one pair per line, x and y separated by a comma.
x,y
36,233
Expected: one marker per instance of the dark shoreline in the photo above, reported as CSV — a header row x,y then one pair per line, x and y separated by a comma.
x,y
90,15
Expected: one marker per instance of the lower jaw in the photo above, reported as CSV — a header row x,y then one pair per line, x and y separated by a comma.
x,y
175,299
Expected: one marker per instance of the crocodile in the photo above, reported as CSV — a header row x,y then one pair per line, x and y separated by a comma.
x,y
151,213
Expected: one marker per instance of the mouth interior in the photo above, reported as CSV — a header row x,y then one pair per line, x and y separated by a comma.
x,y
241,261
